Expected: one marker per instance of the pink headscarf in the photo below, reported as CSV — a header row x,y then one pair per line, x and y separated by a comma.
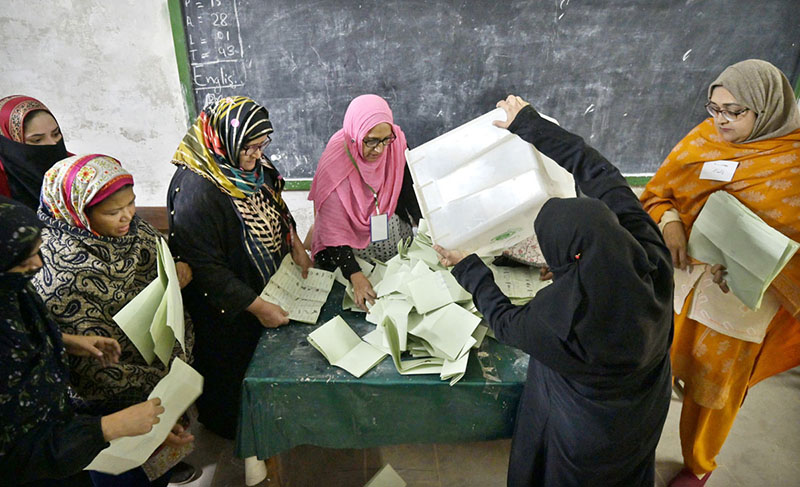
x,y
343,204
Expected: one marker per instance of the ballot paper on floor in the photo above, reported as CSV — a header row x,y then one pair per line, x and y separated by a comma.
x,y
727,232
480,187
340,345
301,297
386,477
177,391
153,319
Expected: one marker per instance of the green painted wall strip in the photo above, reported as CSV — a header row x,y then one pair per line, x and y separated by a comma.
x,y
182,55
298,185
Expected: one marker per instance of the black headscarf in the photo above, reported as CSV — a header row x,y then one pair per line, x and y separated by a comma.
x,y
34,375
601,304
19,231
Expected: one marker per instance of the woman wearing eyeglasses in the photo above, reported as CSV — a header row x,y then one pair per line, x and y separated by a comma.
x,y
364,201
755,125
228,220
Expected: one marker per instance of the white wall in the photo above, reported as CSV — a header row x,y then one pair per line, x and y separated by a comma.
x,y
108,72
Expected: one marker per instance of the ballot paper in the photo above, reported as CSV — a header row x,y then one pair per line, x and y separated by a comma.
x,y
518,282
153,319
177,391
340,345
386,477
727,232
726,314
447,329
426,365
301,298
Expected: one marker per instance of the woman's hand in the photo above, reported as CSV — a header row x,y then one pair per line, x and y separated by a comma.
x,y
268,314
545,274
132,421
184,273
299,255
449,258
105,350
719,272
675,238
362,290
178,437
512,106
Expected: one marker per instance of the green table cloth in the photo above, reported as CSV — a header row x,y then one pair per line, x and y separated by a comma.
x,y
291,396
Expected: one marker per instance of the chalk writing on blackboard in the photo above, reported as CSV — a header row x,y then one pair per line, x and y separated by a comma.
x,y
216,54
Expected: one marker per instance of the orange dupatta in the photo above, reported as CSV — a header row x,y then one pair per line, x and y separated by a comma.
x,y
767,181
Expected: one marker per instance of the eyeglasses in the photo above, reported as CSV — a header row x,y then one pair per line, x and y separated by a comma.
x,y
730,115
374,143
249,150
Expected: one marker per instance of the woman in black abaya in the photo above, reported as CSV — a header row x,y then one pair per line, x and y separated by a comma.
x,y
598,385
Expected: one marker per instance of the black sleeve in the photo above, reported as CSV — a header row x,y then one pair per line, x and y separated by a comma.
x,y
407,204
342,256
517,326
54,450
203,232
594,175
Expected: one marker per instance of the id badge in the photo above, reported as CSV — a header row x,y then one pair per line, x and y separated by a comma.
x,y
379,227
719,170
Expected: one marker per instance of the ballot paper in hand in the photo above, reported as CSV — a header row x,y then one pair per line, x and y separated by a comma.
x,y
302,298
153,320
727,232
177,391
340,345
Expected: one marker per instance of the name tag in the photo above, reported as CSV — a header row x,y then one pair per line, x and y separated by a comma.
x,y
719,170
379,227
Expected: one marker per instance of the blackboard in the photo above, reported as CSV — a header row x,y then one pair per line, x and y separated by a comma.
x,y
628,76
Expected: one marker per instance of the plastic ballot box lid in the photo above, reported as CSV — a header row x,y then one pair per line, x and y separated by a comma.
x,y
480,187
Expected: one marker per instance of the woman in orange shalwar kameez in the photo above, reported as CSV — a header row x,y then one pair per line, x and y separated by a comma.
x,y
755,127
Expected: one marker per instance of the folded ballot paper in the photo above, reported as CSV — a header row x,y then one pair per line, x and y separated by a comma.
x,y
177,391
338,343
727,232
480,186
302,298
153,320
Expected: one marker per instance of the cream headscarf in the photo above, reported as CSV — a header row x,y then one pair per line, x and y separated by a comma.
x,y
763,88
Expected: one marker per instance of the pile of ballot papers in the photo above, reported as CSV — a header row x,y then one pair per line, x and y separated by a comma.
x,y
424,319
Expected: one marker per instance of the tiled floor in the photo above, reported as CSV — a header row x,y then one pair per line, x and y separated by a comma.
x,y
763,450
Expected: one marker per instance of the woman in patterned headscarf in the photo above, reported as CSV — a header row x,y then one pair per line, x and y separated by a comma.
x,y
755,125
30,143
43,441
230,223
98,255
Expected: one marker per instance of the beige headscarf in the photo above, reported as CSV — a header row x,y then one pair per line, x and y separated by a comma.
x,y
763,88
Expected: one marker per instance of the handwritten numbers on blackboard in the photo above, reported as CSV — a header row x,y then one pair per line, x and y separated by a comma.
x,y
220,19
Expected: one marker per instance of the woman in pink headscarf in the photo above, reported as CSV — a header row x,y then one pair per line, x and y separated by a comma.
x,y
364,201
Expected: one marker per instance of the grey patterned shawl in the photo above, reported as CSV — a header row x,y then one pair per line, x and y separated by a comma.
x,y
85,281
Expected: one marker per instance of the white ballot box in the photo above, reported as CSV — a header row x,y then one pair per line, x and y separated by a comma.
x,y
480,187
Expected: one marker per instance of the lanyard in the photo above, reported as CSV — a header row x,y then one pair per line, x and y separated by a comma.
x,y
374,193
